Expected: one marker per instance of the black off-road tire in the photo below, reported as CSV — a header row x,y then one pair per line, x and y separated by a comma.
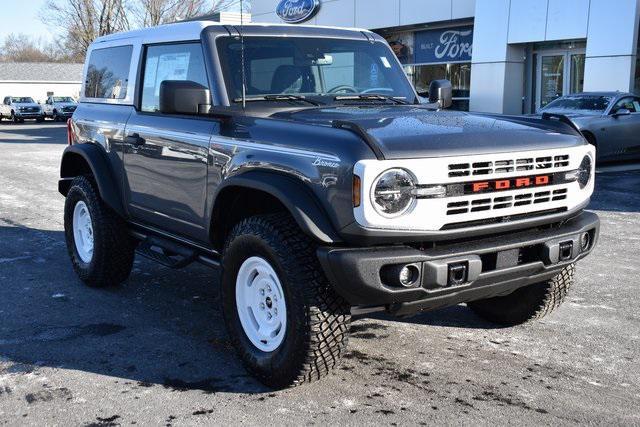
x,y
526,304
113,249
318,319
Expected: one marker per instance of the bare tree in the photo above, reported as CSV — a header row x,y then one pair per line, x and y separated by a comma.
x,y
234,5
155,12
22,48
84,20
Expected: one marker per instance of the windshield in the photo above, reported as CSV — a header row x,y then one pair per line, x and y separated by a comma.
x,y
62,99
23,100
584,103
317,67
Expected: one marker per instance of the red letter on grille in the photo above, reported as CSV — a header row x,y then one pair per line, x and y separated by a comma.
x,y
542,180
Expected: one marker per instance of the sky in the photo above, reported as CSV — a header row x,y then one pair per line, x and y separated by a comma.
x,y
23,17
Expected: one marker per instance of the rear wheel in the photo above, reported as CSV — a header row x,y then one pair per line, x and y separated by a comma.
x,y
529,303
283,317
99,246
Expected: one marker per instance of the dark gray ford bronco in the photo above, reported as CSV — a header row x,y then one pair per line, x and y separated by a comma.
x,y
317,184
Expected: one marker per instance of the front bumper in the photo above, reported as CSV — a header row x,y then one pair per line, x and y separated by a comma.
x,y
494,266
29,115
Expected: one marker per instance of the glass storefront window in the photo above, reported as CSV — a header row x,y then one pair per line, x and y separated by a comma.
x,y
577,72
552,78
458,74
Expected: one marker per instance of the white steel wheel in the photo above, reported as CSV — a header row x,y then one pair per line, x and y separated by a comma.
x,y
261,304
83,231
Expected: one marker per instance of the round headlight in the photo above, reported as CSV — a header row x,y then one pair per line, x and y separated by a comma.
x,y
393,192
584,171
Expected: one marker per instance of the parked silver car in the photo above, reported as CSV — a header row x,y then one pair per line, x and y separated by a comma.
x,y
59,107
608,120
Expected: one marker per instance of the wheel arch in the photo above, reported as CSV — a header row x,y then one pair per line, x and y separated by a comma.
x,y
89,160
261,192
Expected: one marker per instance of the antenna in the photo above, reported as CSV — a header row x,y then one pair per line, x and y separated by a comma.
x,y
242,60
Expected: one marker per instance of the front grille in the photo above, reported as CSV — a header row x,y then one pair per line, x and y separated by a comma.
x,y
503,202
508,165
69,109
501,220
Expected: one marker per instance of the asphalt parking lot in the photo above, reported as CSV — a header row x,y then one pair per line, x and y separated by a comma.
x,y
154,351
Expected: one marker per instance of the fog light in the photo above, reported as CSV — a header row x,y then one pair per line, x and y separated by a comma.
x,y
585,241
408,275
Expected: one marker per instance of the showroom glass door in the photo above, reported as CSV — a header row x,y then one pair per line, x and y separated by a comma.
x,y
559,74
551,78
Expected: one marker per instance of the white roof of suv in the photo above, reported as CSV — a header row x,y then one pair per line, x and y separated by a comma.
x,y
191,30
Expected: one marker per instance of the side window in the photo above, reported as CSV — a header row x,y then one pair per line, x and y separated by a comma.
x,y
629,103
182,61
108,73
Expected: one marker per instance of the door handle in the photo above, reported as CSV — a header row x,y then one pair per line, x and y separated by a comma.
x,y
134,139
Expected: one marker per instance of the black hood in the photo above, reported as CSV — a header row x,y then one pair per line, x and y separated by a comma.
x,y
414,131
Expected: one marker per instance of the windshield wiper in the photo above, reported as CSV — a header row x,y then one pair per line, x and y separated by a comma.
x,y
369,97
283,97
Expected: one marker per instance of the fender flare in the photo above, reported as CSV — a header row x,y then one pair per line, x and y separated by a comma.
x,y
294,195
97,162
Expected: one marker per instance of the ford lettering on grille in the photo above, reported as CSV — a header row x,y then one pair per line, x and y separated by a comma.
x,y
508,184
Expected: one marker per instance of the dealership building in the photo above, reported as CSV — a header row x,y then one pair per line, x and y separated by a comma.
x,y
502,56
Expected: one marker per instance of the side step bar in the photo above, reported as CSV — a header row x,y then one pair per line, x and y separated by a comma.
x,y
169,258
173,253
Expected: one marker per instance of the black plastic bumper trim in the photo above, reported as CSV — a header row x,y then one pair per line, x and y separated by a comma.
x,y
355,272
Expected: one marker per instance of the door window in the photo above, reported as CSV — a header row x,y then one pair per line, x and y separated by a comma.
x,y
183,61
108,73
630,103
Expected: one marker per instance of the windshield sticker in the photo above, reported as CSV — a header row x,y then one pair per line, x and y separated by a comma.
x,y
172,66
374,76
385,62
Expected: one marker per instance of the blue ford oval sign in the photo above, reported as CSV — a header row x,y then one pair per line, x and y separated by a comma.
x,y
296,11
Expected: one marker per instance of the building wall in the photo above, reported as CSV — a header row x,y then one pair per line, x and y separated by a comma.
x,y
374,14
38,90
503,27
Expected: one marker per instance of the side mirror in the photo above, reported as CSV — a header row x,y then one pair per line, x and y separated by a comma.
x,y
184,97
621,112
441,92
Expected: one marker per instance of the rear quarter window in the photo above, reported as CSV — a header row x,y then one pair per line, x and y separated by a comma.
x,y
108,73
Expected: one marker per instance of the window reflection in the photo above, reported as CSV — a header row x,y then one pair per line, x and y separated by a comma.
x,y
459,74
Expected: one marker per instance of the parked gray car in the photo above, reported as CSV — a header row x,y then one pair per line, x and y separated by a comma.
x,y
608,120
